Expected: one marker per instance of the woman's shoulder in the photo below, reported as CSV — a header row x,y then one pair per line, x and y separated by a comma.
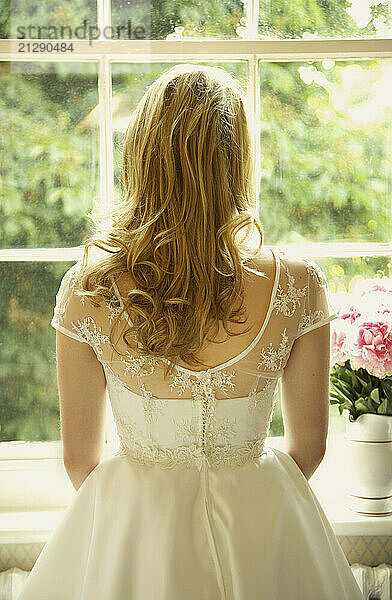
x,y
294,265
263,259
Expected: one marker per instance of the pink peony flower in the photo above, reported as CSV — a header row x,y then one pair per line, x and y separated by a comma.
x,y
350,313
385,312
361,287
340,329
345,306
370,347
363,332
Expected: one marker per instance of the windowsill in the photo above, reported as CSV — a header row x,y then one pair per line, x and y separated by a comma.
x,y
34,523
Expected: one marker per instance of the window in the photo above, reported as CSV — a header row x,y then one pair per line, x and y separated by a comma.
x,y
318,77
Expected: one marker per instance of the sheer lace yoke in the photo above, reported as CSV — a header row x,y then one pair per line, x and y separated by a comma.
x,y
218,416
250,346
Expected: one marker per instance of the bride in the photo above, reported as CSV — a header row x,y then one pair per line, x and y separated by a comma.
x,y
187,331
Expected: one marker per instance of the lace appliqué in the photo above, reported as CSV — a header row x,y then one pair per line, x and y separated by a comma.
x,y
153,407
192,456
88,330
166,458
260,408
292,296
74,281
187,430
114,307
136,365
224,430
69,279
308,319
273,359
228,456
316,272
59,312
204,381
128,431
257,400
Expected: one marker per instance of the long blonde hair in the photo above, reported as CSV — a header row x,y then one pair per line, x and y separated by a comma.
x,y
188,177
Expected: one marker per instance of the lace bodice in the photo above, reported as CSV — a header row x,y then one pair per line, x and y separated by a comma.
x,y
218,417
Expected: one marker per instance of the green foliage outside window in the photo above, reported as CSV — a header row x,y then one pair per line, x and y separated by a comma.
x,y
325,168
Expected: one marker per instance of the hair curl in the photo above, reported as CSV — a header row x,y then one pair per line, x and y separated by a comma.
x,y
188,177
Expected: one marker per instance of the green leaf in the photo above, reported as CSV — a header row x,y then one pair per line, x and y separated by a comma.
x,y
375,395
382,409
341,392
334,394
347,404
361,380
346,377
362,407
387,390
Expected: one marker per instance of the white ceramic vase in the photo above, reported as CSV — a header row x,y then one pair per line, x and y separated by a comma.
x,y
369,464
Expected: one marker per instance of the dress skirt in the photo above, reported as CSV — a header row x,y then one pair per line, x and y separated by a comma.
x,y
138,532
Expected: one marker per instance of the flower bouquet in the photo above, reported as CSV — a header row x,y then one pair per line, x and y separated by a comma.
x,y
361,349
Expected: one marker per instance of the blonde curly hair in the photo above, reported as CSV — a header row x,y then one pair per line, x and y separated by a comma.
x,y
188,177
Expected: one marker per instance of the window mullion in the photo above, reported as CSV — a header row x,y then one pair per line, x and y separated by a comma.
x,y
105,110
252,15
106,171
252,18
106,149
105,134
254,114
104,17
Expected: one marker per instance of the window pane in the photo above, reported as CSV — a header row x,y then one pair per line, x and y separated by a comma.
x,y
49,149
29,397
326,133
165,19
47,19
340,273
130,81
319,19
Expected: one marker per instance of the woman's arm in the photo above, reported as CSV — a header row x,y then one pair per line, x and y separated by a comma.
x,y
305,399
82,395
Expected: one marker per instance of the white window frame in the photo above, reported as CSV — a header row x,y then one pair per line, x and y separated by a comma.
x,y
253,51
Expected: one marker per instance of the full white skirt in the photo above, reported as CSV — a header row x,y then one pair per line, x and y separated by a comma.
x,y
134,532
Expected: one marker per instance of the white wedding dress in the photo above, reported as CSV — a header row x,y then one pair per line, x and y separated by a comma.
x,y
193,506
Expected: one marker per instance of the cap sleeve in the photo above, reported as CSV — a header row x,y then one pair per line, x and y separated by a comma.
x,y
318,309
69,308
